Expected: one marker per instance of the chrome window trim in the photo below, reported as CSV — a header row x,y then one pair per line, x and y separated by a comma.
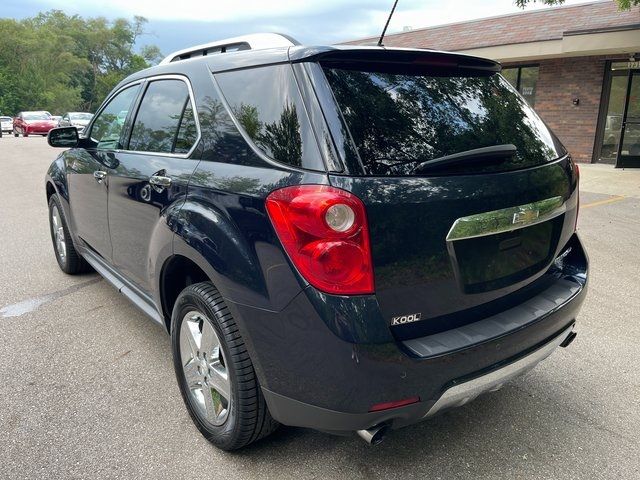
x,y
146,81
506,219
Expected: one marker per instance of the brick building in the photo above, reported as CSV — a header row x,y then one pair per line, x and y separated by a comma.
x,y
578,65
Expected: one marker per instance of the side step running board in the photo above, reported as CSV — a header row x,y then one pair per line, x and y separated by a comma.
x,y
137,298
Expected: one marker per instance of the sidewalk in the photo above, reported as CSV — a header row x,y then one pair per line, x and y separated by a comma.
x,y
604,179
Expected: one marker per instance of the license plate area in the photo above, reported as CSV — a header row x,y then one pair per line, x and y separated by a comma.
x,y
497,249
496,261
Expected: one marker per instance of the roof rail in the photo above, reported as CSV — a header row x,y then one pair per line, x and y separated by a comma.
x,y
253,41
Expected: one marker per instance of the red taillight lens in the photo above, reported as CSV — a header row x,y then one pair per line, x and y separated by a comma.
x,y
398,403
324,231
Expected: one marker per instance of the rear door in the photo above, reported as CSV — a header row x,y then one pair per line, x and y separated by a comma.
x,y
88,170
452,227
151,177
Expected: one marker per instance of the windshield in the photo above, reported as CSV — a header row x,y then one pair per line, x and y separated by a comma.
x,y
399,121
36,116
6,119
80,116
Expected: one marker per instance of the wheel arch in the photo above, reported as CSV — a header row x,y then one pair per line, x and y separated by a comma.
x,y
178,272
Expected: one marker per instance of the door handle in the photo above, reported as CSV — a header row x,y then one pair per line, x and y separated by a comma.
x,y
159,182
99,175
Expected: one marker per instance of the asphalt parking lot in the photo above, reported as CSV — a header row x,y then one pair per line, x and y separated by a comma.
x,y
88,389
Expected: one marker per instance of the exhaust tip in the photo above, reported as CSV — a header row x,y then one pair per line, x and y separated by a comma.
x,y
570,338
375,435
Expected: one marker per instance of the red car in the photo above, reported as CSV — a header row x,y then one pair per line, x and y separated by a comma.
x,y
33,123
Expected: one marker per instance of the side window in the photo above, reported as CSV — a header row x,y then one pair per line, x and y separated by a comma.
x,y
187,130
108,125
165,122
267,104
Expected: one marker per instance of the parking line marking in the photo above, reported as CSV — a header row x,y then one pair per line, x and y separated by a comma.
x,y
615,199
31,304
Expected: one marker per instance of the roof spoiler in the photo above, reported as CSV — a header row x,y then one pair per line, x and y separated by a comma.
x,y
394,60
254,41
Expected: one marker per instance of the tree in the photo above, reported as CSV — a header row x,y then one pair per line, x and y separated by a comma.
x,y
59,62
622,4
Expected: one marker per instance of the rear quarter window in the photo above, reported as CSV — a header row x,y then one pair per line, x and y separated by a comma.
x,y
268,106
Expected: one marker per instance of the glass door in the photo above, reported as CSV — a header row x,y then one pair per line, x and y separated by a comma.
x,y
628,154
619,102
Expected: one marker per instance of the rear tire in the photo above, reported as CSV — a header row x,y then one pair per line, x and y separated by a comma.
x,y
211,364
67,256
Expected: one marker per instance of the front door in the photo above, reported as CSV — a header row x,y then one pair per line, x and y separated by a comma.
x,y
151,178
629,145
88,172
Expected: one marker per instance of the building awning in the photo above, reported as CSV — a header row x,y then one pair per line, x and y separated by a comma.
x,y
613,41
595,28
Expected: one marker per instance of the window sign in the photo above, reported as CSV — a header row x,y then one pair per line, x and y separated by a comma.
x,y
523,79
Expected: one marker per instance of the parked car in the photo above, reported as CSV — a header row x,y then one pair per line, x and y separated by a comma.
x,y
76,119
6,124
33,123
342,238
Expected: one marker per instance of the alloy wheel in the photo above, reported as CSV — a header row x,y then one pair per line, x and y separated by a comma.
x,y
205,368
58,233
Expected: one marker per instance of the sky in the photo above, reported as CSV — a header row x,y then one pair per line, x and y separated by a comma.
x,y
177,24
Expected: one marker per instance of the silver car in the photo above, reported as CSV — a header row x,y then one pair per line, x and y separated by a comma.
x,y
75,119
6,124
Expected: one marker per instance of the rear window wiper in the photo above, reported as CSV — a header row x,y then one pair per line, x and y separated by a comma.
x,y
494,152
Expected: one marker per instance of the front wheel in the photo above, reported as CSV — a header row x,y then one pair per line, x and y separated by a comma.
x,y
15,134
68,258
215,374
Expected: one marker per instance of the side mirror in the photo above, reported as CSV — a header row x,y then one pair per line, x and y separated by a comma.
x,y
63,137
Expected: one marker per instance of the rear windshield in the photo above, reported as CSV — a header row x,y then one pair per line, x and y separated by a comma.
x,y
400,121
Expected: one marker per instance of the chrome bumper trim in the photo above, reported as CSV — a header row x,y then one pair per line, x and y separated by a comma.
x,y
462,393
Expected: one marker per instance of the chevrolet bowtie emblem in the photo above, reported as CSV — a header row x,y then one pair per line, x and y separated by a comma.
x,y
525,216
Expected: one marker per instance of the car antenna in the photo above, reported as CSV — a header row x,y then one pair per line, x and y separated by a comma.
x,y
384,30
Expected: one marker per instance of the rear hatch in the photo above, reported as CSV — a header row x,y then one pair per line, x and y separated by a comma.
x,y
469,196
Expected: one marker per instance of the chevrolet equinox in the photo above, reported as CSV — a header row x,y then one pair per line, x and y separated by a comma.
x,y
350,239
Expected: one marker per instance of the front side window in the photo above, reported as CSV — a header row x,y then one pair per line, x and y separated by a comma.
x,y
267,104
165,122
108,125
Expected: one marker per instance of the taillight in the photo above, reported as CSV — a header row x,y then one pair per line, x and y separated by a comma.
x,y
324,231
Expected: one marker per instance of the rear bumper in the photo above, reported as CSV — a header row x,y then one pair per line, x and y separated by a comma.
x,y
311,377
293,412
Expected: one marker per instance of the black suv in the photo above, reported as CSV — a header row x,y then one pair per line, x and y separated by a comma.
x,y
341,238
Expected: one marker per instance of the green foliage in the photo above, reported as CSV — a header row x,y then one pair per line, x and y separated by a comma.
x,y
622,4
59,63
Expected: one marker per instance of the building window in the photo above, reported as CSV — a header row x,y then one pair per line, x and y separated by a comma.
x,y
524,79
